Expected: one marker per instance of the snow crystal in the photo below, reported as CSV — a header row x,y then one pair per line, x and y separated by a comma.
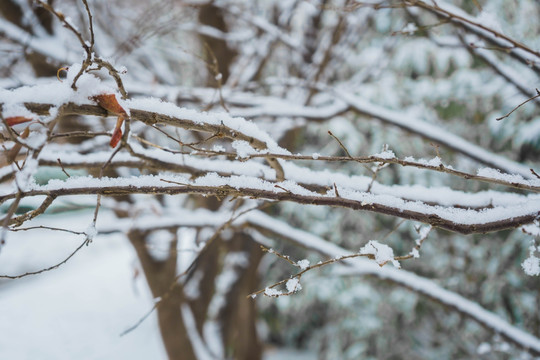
x,y
436,161
531,265
386,154
303,264
272,292
315,156
293,285
91,231
382,253
415,253
243,149
410,29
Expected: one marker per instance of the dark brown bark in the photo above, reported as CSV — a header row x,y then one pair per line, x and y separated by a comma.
x,y
13,13
239,314
237,317
213,16
160,276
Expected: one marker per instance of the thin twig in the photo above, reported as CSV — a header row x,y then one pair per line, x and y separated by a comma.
x,y
282,188
336,191
299,275
517,107
90,24
173,182
141,320
218,77
98,200
393,230
81,133
272,251
46,269
62,167
380,166
42,227
340,144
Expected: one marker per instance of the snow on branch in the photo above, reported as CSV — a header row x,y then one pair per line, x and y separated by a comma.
x,y
464,221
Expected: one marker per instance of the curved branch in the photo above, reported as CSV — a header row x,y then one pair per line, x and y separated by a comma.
x,y
488,220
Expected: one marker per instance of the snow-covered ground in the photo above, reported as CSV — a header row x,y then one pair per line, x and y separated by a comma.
x,y
79,310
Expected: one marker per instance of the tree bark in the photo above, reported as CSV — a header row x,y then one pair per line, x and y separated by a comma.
x,y
160,276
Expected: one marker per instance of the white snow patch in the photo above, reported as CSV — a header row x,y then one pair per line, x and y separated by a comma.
x,y
272,292
303,264
511,178
531,266
410,29
243,149
386,154
382,253
91,231
293,285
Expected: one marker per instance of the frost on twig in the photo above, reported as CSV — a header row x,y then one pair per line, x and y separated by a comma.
x,y
374,250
